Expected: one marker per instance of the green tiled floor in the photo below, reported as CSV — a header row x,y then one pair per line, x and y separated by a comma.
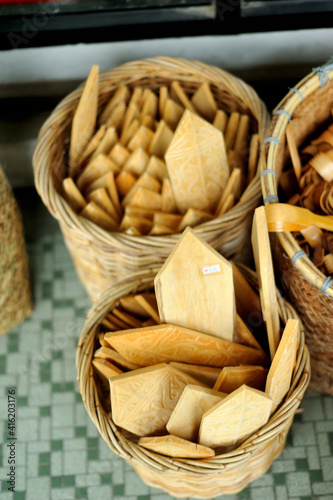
x,y
59,453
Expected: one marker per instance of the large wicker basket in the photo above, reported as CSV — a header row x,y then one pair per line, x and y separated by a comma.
x,y
15,292
223,474
310,291
101,257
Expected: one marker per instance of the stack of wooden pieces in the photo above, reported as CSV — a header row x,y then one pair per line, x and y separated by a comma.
x,y
152,162
187,377
308,183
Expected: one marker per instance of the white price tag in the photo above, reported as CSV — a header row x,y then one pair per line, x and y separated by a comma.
x,y
211,269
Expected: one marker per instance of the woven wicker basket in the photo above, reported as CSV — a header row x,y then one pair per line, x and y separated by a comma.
x,y
223,474
310,291
15,294
102,257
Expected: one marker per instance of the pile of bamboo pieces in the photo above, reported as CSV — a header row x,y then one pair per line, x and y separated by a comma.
x,y
308,183
154,161
180,369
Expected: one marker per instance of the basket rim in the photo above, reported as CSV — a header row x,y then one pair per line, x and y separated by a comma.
x,y
134,453
186,70
282,114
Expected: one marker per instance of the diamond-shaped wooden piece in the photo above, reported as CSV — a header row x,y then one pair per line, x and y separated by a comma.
x,y
197,164
235,418
142,400
194,288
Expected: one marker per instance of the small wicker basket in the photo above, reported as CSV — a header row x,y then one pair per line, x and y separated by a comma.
x,y
224,474
15,293
101,257
310,291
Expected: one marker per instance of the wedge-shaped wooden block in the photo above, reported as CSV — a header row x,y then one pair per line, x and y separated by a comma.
x,y
100,166
168,199
280,372
116,116
220,120
194,288
170,220
102,199
148,302
84,120
193,403
105,368
108,182
146,198
163,343
137,162
172,113
192,218
149,105
163,97
93,143
235,418
108,141
141,139
204,102
197,164
178,94
145,181
96,214
124,183
143,400
161,140
73,195
231,130
175,447
121,94
105,352
140,223
131,305
157,168
119,154
207,374
233,377
233,187
160,230
264,266
139,212
129,132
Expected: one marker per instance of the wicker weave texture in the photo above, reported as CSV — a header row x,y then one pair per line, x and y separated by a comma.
x,y
225,473
310,105
102,257
15,294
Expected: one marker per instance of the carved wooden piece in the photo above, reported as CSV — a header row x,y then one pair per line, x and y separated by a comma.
x,y
102,199
280,372
196,162
172,113
193,403
235,418
193,217
137,162
97,215
233,377
108,141
161,140
116,358
108,182
264,266
176,447
157,168
168,199
207,374
190,291
163,343
204,102
142,400
100,166
106,369
73,195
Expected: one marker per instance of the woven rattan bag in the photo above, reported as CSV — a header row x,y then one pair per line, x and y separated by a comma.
x,y
223,474
309,105
100,256
15,295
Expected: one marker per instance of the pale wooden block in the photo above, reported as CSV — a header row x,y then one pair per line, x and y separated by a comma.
x,y
102,341
119,323
97,215
163,97
193,217
72,195
121,94
233,377
132,115
116,117
193,403
149,122
161,140
100,166
148,302
157,168
84,120
197,164
130,132
140,223
119,154
142,400
264,266
124,183
235,418
165,342
106,144
116,358
204,102
280,372
131,305
189,287
172,113
136,97
140,212
231,130
141,139
127,318
105,369
220,120
149,105
175,447
145,181
178,94
160,230
146,198
108,182
168,199
170,220
233,187
102,199
207,374
93,144
253,157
